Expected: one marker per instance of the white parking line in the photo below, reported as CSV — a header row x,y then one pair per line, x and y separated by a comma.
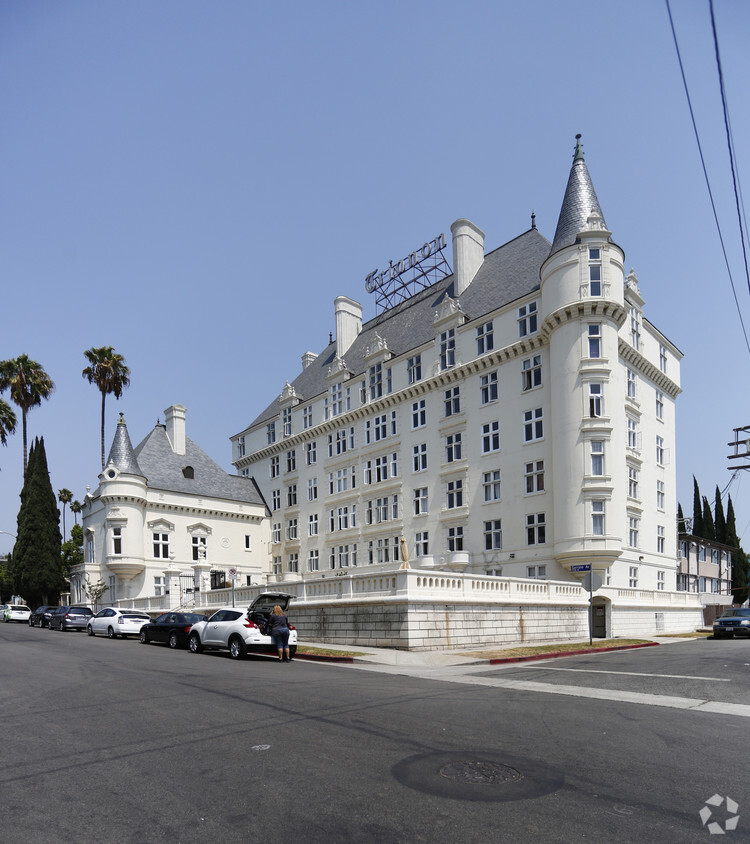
x,y
629,673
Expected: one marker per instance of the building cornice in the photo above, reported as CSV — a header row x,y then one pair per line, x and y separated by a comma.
x,y
661,379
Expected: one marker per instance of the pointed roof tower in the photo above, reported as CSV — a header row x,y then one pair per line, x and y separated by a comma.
x,y
121,455
579,202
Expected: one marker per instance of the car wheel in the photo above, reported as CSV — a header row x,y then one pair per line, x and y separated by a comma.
x,y
143,637
237,649
111,633
62,627
90,630
173,640
194,643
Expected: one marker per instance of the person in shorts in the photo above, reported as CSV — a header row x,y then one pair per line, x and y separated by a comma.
x,y
278,627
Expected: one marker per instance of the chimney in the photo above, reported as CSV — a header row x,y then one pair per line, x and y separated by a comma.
x,y
307,359
468,254
174,417
348,323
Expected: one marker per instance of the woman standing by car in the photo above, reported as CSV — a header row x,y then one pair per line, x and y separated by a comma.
x,y
278,627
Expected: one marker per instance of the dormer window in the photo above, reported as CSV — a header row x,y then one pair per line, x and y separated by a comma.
x,y
189,473
448,348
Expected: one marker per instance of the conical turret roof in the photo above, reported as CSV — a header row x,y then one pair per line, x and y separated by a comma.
x,y
579,202
121,454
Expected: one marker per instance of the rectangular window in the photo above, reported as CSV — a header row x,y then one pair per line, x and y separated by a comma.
x,y
414,369
199,548
452,401
595,272
311,453
663,358
421,504
448,348
531,372
597,518
419,414
117,541
452,448
158,585
312,489
275,499
490,437
659,404
291,461
271,433
337,399
291,529
632,384
376,381
538,572
241,447
660,539
422,543
632,434
596,400
527,319
485,338
595,340
534,476
488,387
276,532
597,457
633,577
455,539
661,580
660,452
161,546
635,329
419,457
536,533
291,495
660,495
275,466
491,485
454,494
632,482
313,560
633,526
286,420
294,562
307,419
533,425
312,524
493,535
248,542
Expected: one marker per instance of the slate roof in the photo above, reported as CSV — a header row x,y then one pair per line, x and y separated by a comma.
x,y
509,272
121,453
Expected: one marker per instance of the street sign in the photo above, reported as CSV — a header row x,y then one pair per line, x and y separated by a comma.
x,y
232,573
591,582
581,568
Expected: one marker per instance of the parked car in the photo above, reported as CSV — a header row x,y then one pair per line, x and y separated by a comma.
x,y
733,622
69,618
239,631
116,622
17,612
172,628
40,616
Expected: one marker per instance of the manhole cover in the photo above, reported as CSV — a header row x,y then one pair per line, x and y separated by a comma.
x,y
480,772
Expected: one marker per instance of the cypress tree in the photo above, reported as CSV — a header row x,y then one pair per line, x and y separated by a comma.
x,y
681,528
37,571
739,559
720,524
708,521
697,510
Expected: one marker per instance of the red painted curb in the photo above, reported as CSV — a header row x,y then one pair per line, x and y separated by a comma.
x,y
324,658
569,653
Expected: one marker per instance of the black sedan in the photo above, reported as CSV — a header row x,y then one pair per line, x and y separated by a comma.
x,y
40,616
171,627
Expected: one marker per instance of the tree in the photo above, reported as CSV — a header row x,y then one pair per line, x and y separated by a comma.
x,y
108,371
36,570
75,509
95,591
72,550
697,510
720,524
739,559
681,527
64,496
7,421
708,521
28,384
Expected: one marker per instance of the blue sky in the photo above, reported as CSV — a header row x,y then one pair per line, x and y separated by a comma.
x,y
194,183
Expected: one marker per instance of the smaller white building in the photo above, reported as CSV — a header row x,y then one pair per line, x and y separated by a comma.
x,y
166,521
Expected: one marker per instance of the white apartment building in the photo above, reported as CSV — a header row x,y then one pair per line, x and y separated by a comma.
x,y
515,417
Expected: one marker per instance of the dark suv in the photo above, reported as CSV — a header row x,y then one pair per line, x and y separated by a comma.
x,y
733,622
70,618
40,616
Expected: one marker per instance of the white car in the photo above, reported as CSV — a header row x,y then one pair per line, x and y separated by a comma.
x,y
115,622
241,630
17,612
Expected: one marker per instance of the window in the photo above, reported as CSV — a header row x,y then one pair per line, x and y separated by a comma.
x,y
633,526
291,495
597,518
531,372
117,541
533,425
490,437
271,433
527,319
491,485
376,381
376,429
633,577
291,460
307,419
381,510
488,387
199,547
632,482
452,401
158,585
340,442
595,272
535,529
455,539
422,543
538,572
248,542
420,501
632,434
595,340
452,448
448,348
313,560
286,421
660,495
294,562
275,499
419,457
635,329
660,580
597,457
311,453
493,535
381,468
241,447
275,466
659,404
702,553
312,524
276,532
337,399
534,475
660,539
312,489
291,529
419,413
161,546
663,358
660,451
414,369
455,494
632,384
485,338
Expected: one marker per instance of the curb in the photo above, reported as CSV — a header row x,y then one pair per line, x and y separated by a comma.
x,y
324,658
507,659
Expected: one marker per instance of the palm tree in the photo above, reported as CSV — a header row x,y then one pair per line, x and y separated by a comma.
x,y
28,384
64,496
7,421
75,509
109,373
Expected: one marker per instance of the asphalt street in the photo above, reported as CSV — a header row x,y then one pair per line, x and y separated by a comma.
x,y
117,741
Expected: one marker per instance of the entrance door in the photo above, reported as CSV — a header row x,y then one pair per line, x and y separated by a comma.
x,y
600,619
